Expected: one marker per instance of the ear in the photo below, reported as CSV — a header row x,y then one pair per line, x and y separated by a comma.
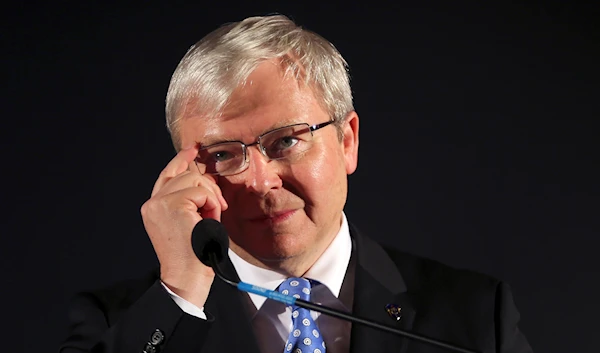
x,y
350,142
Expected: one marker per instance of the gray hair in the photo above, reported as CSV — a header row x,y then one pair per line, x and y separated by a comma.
x,y
221,61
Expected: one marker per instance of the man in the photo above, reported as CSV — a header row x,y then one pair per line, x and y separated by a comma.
x,y
261,114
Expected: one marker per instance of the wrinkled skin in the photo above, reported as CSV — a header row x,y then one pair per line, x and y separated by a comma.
x,y
278,215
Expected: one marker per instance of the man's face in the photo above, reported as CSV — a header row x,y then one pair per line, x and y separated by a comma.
x,y
280,212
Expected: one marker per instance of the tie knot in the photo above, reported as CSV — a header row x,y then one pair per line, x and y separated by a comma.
x,y
297,287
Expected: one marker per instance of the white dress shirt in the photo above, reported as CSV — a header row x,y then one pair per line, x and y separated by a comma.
x,y
272,321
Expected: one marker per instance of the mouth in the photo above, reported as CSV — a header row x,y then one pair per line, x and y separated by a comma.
x,y
273,218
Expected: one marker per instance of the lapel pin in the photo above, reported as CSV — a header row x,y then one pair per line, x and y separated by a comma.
x,y
394,311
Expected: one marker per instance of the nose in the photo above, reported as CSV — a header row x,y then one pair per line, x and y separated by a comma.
x,y
262,174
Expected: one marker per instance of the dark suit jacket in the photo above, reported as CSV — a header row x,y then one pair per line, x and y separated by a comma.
x,y
460,307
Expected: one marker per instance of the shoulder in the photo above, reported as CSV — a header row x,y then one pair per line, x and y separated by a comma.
x,y
437,282
421,271
448,300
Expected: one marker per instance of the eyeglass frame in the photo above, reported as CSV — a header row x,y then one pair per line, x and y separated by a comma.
x,y
261,148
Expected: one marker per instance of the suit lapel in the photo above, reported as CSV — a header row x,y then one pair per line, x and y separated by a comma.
x,y
231,330
378,283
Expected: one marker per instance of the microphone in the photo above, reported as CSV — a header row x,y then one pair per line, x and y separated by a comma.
x,y
210,243
210,237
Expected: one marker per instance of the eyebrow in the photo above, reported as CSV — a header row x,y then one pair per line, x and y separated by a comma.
x,y
211,140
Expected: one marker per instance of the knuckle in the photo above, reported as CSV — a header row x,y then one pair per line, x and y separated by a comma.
x,y
153,205
145,208
163,173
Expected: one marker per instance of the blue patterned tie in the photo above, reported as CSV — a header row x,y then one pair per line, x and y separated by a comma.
x,y
305,336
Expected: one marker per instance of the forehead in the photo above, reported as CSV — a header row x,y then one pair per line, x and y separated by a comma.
x,y
268,99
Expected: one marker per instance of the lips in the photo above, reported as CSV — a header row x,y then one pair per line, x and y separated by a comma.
x,y
273,217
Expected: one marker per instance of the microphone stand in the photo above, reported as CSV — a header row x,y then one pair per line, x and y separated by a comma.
x,y
245,287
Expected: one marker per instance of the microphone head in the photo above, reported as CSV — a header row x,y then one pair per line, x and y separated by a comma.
x,y
209,236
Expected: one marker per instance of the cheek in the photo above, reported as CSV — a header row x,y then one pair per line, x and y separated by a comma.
x,y
320,173
321,177
230,189
328,164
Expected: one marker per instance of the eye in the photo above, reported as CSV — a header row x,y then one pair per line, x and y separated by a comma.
x,y
285,143
221,156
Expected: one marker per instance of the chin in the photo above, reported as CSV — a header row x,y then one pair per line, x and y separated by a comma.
x,y
281,248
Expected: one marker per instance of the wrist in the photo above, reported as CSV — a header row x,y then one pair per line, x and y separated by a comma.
x,y
194,288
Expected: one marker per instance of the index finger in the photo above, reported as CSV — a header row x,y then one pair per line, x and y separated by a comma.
x,y
179,164
197,167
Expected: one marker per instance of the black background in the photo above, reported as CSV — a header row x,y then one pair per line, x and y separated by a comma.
x,y
478,145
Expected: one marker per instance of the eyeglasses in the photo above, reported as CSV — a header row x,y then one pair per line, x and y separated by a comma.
x,y
284,143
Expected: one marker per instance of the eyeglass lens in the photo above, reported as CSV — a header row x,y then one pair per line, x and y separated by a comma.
x,y
285,143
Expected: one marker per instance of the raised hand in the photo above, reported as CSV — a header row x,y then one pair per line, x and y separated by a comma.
x,y
182,196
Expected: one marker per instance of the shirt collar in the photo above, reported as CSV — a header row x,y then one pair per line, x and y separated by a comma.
x,y
329,269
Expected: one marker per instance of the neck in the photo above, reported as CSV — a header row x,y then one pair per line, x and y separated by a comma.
x,y
291,266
